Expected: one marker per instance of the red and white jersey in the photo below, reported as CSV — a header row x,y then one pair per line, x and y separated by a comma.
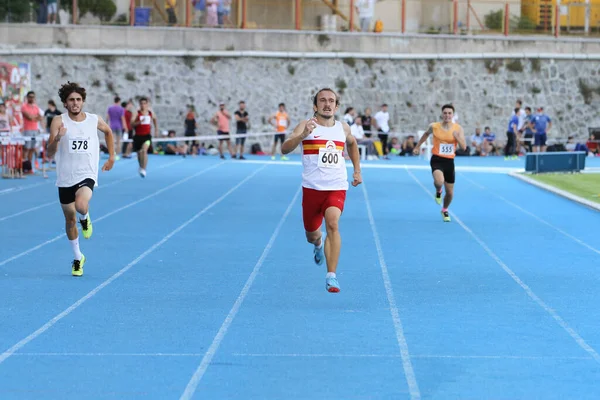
x,y
323,159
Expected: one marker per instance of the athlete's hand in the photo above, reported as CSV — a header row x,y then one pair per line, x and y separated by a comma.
x,y
61,130
310,126
416,151
357,178
108,164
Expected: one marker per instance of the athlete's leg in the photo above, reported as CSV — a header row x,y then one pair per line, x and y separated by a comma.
x,y
82,200
438,180
449,189
274,147
333,241
70,214
144,152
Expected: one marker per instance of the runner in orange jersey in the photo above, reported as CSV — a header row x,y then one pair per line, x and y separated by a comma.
x,y
446,136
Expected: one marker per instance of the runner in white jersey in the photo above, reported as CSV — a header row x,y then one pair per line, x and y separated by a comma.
x,y
74,144
324,178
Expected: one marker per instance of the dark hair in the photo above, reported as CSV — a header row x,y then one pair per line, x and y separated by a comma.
x,y
450,106
117,99
281,104
124,104
31,92
68,88
528,109
52,103
337,98
487,127
242,102
520,102
143,98
517,109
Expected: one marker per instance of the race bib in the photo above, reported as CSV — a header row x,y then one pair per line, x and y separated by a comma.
x,y
446,149
79,146
283,122
145,119
330,156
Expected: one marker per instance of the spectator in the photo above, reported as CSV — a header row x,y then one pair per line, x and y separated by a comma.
x,y
52,11
242,124
367,122
489,144
357,130
408,146
511,135
542,124
212,18
349,115
116,121
476,143
190,126
366,11
221,119
394,146
170,6
172,148
528,129
382,118
50,113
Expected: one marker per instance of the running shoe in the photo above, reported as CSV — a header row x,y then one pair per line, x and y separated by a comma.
x,y
142,172
319,255
332,285
77,266
438,197
446,216
86,227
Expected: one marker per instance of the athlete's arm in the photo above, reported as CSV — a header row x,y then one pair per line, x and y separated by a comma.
x,y
302,130
353,153
424,137
155,120
110,143
460,138
134,122
57,131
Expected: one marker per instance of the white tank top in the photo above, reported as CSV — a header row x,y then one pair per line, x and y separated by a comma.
x,y
78,151
323,159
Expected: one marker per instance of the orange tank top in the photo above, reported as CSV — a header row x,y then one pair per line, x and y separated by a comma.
x,y
282,121
444,143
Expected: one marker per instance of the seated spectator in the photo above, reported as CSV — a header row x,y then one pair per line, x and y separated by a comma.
x,y
592,145
356,129
572,146
476,142
408,146
171,147
489,145
394,146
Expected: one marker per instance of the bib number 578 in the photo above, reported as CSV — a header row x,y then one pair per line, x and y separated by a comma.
x,y
79,145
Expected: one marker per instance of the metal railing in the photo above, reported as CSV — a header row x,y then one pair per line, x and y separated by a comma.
x,y
459,17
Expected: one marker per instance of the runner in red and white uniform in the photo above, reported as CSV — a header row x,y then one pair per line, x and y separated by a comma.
x,y
142,122
324,178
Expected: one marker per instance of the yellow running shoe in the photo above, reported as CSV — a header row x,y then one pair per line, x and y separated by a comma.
x,y
438,197
77,266
446,216
86,227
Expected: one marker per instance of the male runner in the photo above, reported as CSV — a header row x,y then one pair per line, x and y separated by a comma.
x,y
74,141
141,122
280,120
446,135
324,178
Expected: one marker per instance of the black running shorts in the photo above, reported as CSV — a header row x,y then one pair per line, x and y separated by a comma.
x,y
66,195
446,165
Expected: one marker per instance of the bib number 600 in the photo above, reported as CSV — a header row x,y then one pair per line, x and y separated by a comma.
x,y
330,158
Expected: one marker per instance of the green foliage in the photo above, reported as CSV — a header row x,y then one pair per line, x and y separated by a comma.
x,y
15,10
103,9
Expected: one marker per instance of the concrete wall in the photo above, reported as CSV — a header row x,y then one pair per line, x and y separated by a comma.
x,y
95,37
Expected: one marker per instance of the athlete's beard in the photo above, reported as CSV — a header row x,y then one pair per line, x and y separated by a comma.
x,y
324,116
